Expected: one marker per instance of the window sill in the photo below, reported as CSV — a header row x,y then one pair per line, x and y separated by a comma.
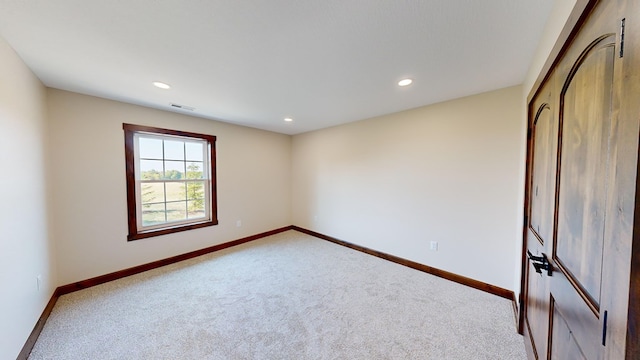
x,y
170,230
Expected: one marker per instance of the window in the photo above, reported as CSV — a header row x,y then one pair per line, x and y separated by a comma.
x,y
171,180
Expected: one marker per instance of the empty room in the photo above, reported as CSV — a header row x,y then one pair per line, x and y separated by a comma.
x,y
320,179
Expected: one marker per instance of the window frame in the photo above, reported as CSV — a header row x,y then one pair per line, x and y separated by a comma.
x,y
133,197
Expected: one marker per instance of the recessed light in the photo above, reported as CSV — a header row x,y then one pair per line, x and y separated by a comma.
x,y
405,82
288,119
161,85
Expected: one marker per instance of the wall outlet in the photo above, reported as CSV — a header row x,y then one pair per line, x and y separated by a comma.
x,y
238,223
434,246
38,282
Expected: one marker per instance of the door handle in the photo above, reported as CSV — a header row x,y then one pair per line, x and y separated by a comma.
x,y
542,259
540,266
540,263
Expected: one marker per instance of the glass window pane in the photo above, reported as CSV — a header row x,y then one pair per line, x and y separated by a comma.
x,y
195,190
177,211
151,193
172,185
194,170
175,191
174,170
174,150
194,151
196,209
153,214
150,169
150,148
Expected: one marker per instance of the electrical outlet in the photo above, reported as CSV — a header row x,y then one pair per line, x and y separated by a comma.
x,y
434,246
238,223
38,282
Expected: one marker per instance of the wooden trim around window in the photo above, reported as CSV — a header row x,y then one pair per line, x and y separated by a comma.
x,y
132,218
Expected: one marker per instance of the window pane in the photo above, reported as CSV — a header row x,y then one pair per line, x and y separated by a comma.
x,y
175,191
177,211
174,170
150,148
151,193
150,169
194,170
195,190
194,151
153,214
196,209
174,150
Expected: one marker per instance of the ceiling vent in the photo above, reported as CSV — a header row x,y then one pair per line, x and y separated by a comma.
x,y
183,107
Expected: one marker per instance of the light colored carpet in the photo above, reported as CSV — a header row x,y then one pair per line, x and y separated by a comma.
x,y
288,296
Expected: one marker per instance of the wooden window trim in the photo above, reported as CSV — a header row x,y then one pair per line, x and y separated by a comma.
x,y
134,233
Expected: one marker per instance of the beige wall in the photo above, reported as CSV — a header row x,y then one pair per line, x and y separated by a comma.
x,y
88,184
447,172
25,248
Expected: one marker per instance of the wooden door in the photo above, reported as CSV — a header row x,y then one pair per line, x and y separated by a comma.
x,y
581,194
544,141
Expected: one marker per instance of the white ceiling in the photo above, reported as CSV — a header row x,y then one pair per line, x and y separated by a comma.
x,y
255,62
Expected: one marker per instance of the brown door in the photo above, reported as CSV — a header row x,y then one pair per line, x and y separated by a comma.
x,y
544,132
580,195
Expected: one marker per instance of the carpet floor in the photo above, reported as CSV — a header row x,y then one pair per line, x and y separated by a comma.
x,y
287,296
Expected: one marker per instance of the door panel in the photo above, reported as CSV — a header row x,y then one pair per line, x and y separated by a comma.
x,y
540,232
565,346
585,138
543,177
577,317
586,123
